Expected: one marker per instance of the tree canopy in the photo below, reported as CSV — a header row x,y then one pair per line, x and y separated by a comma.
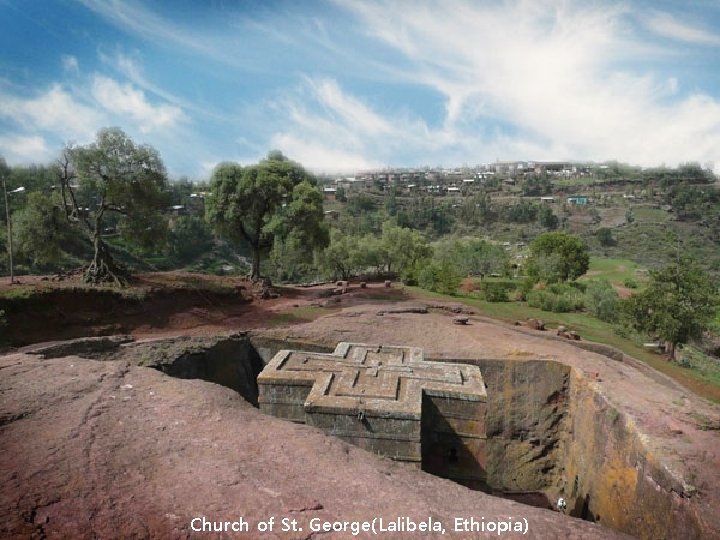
x,y
115,177
275,198
677,305
557,256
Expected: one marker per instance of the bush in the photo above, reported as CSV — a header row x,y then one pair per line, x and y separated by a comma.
x,y
630,283
189,239
410,276
497,291
549,300
603,301
439,277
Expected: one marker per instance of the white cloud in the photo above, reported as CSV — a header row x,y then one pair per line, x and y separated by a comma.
x,y
124,99
24,149
55,111
70,64
130,67
319,155
326,128
667,25
133,16
549,74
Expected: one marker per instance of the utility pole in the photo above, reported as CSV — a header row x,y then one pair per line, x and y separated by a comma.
x,y
9,227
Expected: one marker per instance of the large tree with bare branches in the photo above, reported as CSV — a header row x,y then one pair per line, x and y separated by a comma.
x,y
113,178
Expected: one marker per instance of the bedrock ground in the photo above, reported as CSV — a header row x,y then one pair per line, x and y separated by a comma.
x,y
127,447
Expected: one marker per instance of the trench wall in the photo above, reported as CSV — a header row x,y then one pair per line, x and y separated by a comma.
x,y
611,477
550,430
527,404
229,361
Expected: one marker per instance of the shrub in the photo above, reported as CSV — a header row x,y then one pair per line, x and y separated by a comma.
x,y
603,301
547,300
497,291
410,276
440,277
630,283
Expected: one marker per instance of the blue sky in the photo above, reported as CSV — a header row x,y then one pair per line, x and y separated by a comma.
x,y
343,85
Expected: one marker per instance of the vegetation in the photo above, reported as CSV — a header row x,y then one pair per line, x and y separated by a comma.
x,y
603,301
557,256
703,382
678,304
115,177
275,199
516,256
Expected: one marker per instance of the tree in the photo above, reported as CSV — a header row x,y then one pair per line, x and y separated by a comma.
x,y
274,198
474,256
115,178
547,218
340,257
678,304
557,256
340,195
603,301
402,247
40,230
189,238
439,276
604,236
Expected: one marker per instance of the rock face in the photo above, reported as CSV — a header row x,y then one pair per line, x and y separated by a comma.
x,y
229,360
107,449
613,478
527,411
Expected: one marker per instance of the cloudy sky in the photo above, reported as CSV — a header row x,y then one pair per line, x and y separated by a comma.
x,y
345,85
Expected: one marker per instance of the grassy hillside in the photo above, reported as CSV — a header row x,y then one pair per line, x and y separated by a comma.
x,y
701,377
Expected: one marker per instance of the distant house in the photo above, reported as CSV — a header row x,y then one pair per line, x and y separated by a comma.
x,y
453,189
331,214
547,199
577,200
177,210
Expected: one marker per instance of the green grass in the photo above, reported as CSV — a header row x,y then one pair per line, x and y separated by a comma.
x,y
703,383
644,213
706,367
18,292
616,271
655,244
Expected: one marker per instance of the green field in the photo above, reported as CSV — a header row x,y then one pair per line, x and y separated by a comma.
x,y
653,215
616,271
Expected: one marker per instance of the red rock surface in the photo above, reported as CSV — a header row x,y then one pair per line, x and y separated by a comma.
x,y
93,449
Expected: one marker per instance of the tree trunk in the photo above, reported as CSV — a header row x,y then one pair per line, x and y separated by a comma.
x,y
671,348
103,269
255,263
